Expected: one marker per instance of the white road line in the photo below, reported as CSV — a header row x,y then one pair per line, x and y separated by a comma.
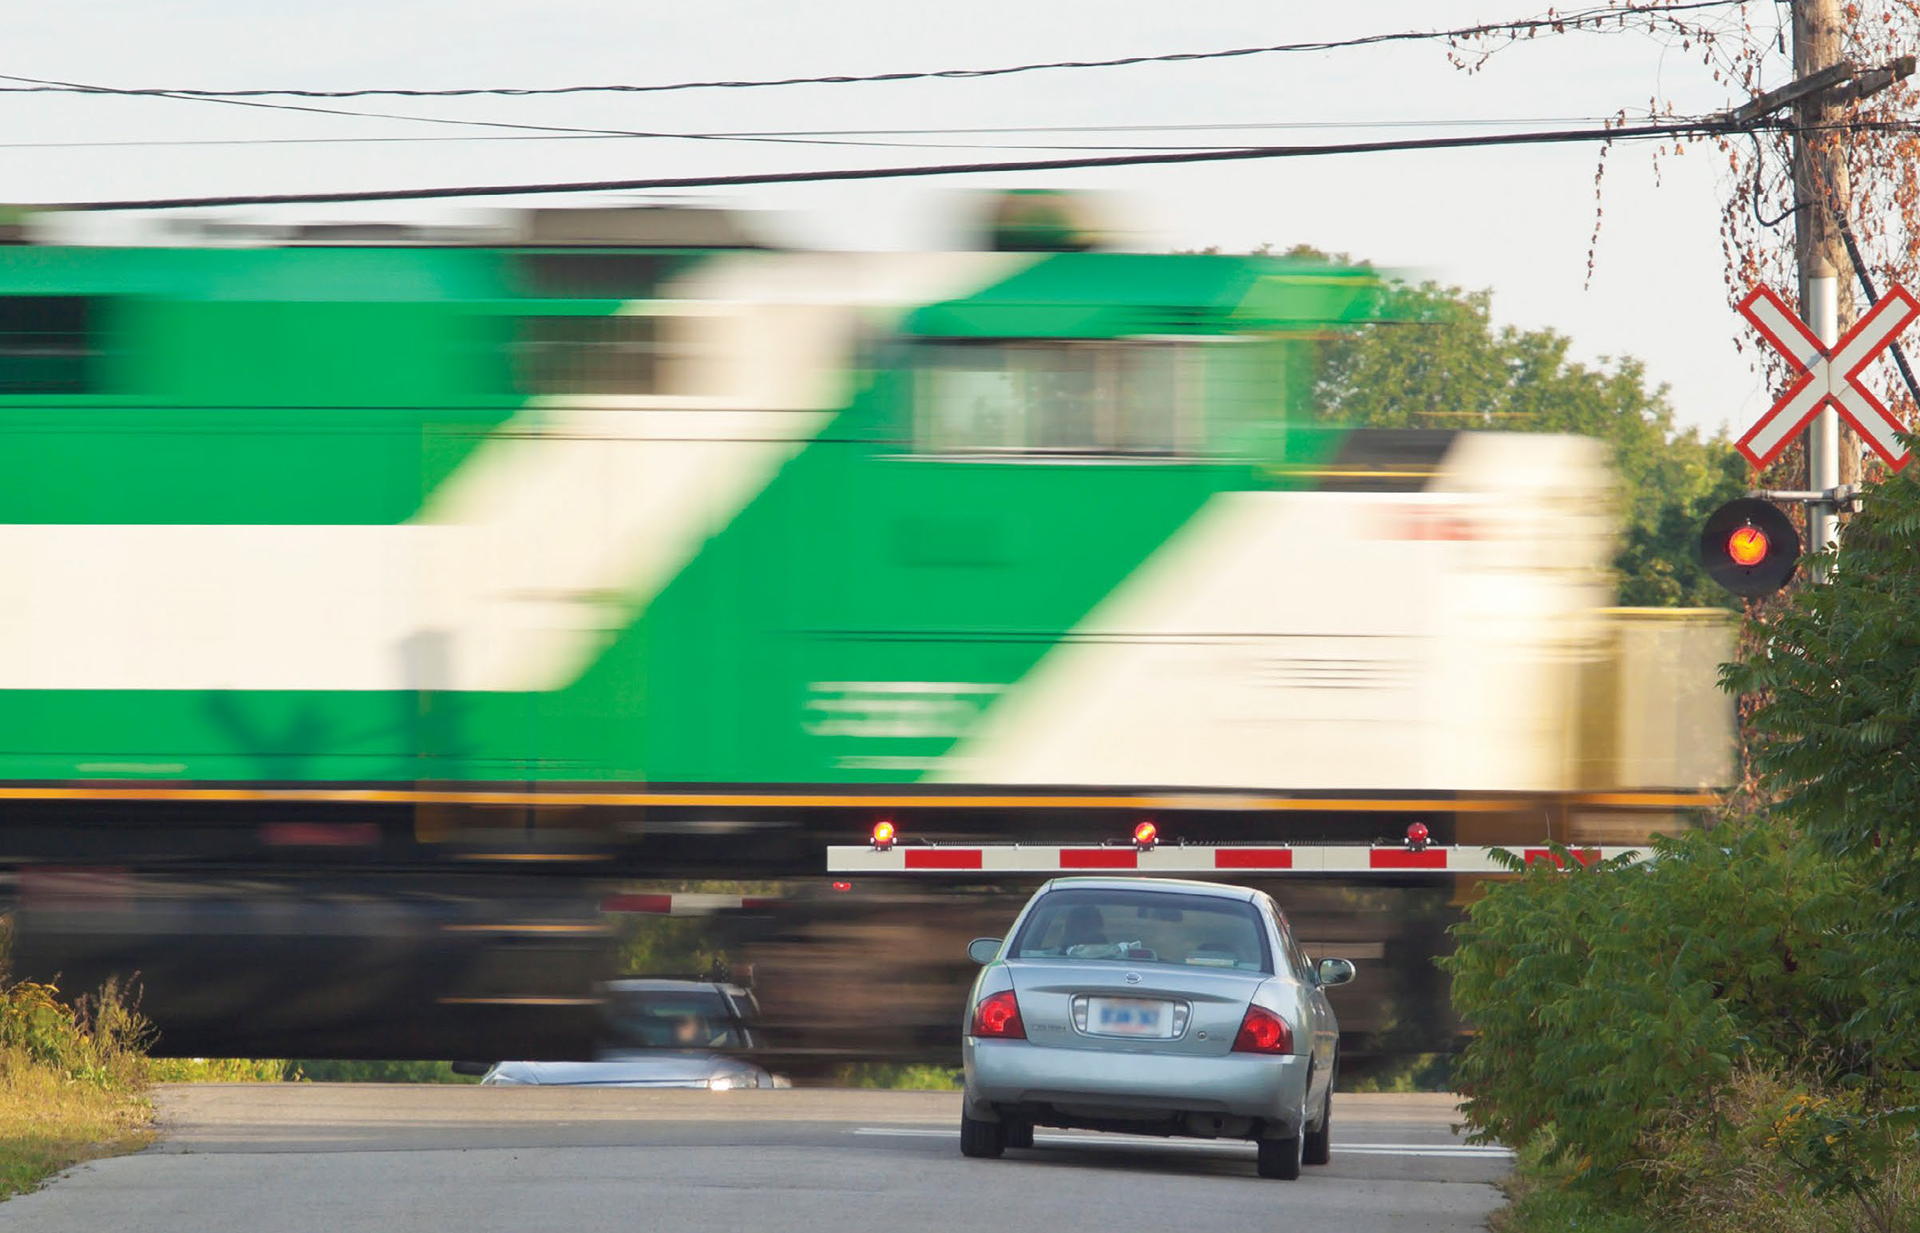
x,y
1458,1151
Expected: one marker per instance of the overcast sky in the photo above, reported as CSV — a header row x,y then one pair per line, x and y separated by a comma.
x,y
1516,220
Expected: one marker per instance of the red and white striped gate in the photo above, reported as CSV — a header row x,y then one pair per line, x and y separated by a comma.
x,y
1241,859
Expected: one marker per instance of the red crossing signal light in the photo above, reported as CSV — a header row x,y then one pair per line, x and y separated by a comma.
x,y
1750,547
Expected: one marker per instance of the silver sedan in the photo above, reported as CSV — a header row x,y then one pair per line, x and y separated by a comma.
x,y
1152,1007
660,1033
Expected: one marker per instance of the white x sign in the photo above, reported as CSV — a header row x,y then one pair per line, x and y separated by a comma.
x,y
1827,377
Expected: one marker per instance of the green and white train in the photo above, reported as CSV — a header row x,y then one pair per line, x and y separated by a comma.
x,y
569,543
619,520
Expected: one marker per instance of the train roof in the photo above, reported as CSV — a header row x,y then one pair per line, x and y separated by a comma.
x,y
978,295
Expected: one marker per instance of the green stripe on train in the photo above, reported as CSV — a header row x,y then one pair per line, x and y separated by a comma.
x,y
253,386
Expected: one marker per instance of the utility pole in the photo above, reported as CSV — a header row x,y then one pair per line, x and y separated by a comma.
x,y
1826,276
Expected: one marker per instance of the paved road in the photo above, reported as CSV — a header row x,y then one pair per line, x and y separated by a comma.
x,y
337,1158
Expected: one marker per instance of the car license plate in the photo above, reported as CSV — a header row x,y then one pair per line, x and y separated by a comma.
x,y
1129,1017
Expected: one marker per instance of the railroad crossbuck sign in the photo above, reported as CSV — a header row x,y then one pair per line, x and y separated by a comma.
x,y
1827,377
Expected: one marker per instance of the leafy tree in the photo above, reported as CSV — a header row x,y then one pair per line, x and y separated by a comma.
x,y
1834,680
1436,361
1747,1006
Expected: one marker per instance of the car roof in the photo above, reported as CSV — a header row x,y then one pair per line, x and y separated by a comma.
x,y
1182,886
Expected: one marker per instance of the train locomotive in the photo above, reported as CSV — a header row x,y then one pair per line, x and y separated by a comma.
x,y
379,600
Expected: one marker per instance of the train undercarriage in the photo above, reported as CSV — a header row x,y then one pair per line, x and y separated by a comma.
x,y
477,923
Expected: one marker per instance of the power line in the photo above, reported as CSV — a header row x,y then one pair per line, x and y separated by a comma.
x,y
444,120
614,135
1552,22
1678,128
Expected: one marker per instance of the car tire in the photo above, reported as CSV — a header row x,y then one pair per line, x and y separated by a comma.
x,y
1320,1143
1019,1134
1281,1158
984,1140
1317,1148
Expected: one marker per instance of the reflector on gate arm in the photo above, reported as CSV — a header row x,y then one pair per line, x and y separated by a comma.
x,y
1240,859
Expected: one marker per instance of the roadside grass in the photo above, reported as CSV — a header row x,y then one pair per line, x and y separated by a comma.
x,y
1541,1200
1732,1169
50,1122
72,1081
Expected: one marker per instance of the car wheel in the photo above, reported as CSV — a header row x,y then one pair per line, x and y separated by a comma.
x,y
1281,1158
1318,1146
983,1139
1019,1134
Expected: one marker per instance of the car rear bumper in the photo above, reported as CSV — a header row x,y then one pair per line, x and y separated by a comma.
x,y
1091,1085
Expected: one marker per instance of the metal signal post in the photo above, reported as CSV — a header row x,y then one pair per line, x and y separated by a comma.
x,y
1823,436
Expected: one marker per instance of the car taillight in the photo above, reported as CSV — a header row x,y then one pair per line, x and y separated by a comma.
x,y
1262,1031
998,1016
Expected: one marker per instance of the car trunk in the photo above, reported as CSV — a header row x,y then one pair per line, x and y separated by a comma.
x,y
1073,1004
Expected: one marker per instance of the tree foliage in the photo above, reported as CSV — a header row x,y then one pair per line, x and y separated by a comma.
x,y
1745,1009
1609,1000
1835,733
1436,361
1692,1034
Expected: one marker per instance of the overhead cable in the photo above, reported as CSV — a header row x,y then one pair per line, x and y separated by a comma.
x,y
1641,132
947,131
1553,22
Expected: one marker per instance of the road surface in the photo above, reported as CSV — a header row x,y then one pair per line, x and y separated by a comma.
x,y
342,1158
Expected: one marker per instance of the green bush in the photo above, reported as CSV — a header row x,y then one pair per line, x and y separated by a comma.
x,y
97,1039
338,1071
1778,1153
1409,1072
219,1070
1729,1037
1541,1198
1610,999
1687,1035
1835,727
899,1076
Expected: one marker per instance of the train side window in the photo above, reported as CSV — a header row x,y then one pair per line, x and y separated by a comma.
x,y
1098,398
589,354
49,344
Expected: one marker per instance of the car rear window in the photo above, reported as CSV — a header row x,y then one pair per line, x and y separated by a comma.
x,y
1130,926
658,1019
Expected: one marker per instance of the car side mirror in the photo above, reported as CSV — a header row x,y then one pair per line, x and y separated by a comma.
x,y
472,1068
1335,971
983,950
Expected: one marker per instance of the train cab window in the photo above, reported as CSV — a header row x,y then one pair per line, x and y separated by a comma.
x,y
1097,398
589,354
49,344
